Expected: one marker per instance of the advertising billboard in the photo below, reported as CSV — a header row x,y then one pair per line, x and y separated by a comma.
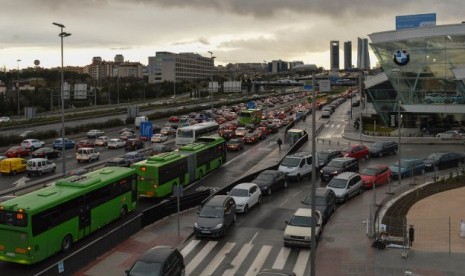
x,y
66,90
80,91
232,86
415,21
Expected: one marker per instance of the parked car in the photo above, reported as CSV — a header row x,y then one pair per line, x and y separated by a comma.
x,y
159,260
325,202
101,141
45,152
17,151
94,133
298,231
325,156
375,175
408,167
87,154
134,157
235,145
84,143
325,114
215,216
32,144
134,144
246,195
39,166
383,147
159,138
357,151
115,143
12,166
117,162
437,98
444,160
337,166
270,180
450,135
297,165
58,144
346,185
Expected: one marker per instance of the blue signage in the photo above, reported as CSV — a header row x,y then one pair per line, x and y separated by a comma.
x,y
251,105
308,87
415,21
146,129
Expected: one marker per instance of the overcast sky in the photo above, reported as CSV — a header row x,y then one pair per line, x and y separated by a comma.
x,y
234,30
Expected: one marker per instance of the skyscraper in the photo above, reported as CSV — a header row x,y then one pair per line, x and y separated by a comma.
x,y
363,58
347,55
334,54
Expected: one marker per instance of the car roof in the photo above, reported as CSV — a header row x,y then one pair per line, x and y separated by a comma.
x,y
217,200
38,159
157,254
300,154
305,212
244,185
344,175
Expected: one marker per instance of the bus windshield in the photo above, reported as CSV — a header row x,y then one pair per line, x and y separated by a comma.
x,y
185,133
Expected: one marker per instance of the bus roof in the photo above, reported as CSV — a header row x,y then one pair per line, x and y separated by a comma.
x,y
65,189
202,142
199,126
159,159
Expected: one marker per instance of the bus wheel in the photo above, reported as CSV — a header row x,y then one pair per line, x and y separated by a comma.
x,y
123,212
66,243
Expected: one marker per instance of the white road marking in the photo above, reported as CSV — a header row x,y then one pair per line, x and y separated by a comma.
x,y
301,264
281,258
240,257
186,250
218,259
259,260
199,257
253,238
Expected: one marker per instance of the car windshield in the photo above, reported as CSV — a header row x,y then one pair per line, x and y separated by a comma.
x,y
369,171
141,268
239,192
347,149
290,161
319,200
337,183
211,212
336,164
433,156
301,221
377,145
266,177
323,155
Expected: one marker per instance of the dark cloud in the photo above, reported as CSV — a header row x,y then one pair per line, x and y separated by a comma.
x,y
201,40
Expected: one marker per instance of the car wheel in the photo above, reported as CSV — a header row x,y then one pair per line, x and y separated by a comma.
x,y
299,178
346,198
234,218
66,243
246,209
360,191
268,191
259,201
123,212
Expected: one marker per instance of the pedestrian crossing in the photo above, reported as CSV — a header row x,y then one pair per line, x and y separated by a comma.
x,y
212,257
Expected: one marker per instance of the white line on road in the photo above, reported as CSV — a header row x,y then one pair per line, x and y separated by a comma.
x,y
259,260
253,238
240,257
218,259
199,257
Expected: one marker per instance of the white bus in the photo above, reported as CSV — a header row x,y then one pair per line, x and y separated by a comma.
x,y
188,134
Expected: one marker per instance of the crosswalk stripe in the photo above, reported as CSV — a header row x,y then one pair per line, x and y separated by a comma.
x,y
282,258
218,259
199,257
299,267
240,257
186,250
259,260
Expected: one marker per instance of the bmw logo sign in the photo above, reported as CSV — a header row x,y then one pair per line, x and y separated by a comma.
x,y
401,57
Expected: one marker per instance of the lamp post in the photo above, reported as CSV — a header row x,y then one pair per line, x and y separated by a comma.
x,y
399,122
313,190
17,86
62,35
211,90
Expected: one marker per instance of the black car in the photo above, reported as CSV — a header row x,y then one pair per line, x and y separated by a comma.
x,y
159,260
337,166
325,156
215,216
270,180
134,144
325,202
383,147
117,162
444,160
45,153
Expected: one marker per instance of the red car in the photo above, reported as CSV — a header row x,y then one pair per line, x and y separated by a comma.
x,y
376,174
84,144
250,138
356,151
173,119
17,151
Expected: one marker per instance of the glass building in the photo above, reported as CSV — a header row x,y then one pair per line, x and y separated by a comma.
x,y
429,89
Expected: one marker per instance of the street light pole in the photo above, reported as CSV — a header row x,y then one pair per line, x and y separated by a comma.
x,y
17,87
211,91
62,35
313,190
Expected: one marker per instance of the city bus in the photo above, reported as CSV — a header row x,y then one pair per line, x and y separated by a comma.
x,y
249,116
39,224
159,174
188,134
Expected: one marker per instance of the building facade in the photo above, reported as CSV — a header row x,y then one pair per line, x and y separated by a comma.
x,y
334,54
347,55
166,66
363,58
423,76
100,69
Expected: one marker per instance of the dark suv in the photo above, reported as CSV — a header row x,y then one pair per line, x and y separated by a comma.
x,y
337,166
325,156
384,147
134,144
325,202
215,216
159,260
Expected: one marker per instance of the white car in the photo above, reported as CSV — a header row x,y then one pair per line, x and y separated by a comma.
x,y
346,185
4,119
101,141
450,134
94,133
32,144
246,195
158,138
298,231
115,143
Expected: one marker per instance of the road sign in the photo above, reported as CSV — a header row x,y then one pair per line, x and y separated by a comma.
x,y
146,129
251,105
308,86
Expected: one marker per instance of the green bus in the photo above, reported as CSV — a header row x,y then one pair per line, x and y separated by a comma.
x,y
159,174
39,224
249,116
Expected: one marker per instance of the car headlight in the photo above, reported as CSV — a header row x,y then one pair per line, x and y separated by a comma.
x,y
321,171
335,172
218,226
196,225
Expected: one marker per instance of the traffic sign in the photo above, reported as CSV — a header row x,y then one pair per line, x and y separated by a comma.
x,y
146,129
251,105
308,86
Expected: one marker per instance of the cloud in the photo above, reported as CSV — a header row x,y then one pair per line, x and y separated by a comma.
x,y
201,40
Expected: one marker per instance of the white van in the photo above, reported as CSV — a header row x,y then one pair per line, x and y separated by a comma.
x,y
139,120
39,166
296,165
87,154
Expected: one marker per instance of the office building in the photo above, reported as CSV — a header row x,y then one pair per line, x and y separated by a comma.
x,y
100,69
347,55
334,54
363,58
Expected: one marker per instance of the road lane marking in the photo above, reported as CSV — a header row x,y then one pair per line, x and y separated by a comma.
x,y
259,260
296,194
281,258
199,257
186,250
238,260
282,203
301,264
253,238
215,263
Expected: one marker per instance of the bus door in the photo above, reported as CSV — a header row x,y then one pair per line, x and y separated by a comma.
x,y
84,220
191,167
